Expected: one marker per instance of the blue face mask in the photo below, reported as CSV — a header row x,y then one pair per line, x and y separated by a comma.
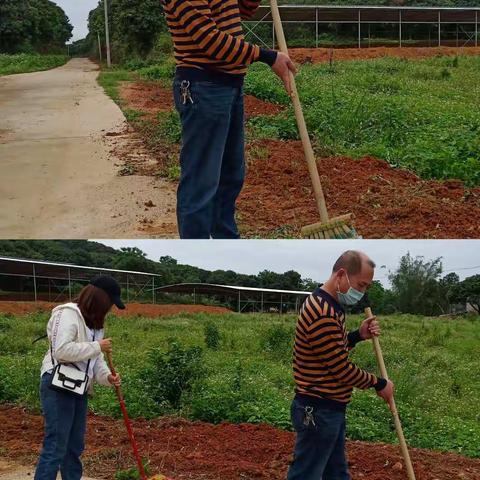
x,y
351,297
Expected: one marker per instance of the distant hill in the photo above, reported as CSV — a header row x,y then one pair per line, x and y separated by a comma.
x,y
94,254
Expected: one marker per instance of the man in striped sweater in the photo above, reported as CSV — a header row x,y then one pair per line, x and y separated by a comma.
x,y
212,58
324,375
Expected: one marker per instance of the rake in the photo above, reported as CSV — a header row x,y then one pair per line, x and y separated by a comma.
x,y
128,425
337,227
393,407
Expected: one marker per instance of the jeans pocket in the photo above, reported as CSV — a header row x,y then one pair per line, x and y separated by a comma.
x,y
303,418
183,96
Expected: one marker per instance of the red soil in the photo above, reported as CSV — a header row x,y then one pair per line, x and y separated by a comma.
x,y
196,450
320,55
143,309
386,202
152,97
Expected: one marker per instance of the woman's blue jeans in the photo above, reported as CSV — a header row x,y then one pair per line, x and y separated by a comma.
x,y
212,159
65,424
320,445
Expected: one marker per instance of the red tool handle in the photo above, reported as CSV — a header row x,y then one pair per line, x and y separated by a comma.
x,y
143,476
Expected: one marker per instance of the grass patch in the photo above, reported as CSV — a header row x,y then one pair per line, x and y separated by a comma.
x,y
109,80
237,368
422,115
29,62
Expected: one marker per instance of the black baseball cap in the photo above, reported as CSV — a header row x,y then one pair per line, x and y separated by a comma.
x,y
111,287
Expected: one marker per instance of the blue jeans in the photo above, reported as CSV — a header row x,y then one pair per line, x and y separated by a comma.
x,y
320,445
65,424
212,159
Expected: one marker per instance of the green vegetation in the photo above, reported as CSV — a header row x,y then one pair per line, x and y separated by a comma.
x,y
28,62
421,115
110,79
136,28
33,26
167,368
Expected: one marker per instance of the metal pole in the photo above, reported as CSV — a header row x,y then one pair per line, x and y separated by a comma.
x,y
439,29
194,296
153,290
457,35
34,283
368,35
107,35
316,27
69,286
359,30
99,46
239,302
476,28
281,303
400,27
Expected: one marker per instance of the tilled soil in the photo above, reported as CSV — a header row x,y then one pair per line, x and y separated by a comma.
x,y
277,199
197,450
320,55
141,309
387,202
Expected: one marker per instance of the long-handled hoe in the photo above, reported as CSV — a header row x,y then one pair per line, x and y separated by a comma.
x,y
393,407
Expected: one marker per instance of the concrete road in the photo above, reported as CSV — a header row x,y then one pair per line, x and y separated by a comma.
x,y
58,177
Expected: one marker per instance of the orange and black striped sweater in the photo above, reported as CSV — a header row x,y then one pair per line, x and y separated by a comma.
x,y
321,366
208,38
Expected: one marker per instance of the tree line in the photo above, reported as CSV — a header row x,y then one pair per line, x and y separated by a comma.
x,y
139,31
33,26
418,286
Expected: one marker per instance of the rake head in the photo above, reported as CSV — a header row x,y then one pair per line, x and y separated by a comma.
x,y
338,227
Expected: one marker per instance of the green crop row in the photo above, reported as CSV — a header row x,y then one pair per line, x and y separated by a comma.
x,y
237,368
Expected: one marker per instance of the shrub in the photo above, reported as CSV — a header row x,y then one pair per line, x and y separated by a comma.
x,y
212,336
278,341
172,373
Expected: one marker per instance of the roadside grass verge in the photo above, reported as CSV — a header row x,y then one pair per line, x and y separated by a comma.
x,y
27,62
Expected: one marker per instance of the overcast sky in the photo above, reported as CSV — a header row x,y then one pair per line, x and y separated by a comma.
x,y
313,259
77,11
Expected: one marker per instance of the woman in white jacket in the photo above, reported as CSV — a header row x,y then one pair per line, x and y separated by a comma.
x,y
75,332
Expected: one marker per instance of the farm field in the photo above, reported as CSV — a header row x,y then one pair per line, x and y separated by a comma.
x,y
231,370
25,62
396,137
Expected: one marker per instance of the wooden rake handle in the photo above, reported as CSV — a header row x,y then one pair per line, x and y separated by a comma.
x,y
393,407
302,126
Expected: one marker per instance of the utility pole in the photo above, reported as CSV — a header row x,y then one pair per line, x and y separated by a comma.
x,y
99,46
107,35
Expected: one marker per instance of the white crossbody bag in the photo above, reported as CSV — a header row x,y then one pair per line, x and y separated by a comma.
x,y
67,378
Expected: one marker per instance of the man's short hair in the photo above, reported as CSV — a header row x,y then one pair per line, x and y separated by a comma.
x,y
351,261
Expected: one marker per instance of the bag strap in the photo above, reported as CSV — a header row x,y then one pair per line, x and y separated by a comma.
x,y
88,363
39,338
